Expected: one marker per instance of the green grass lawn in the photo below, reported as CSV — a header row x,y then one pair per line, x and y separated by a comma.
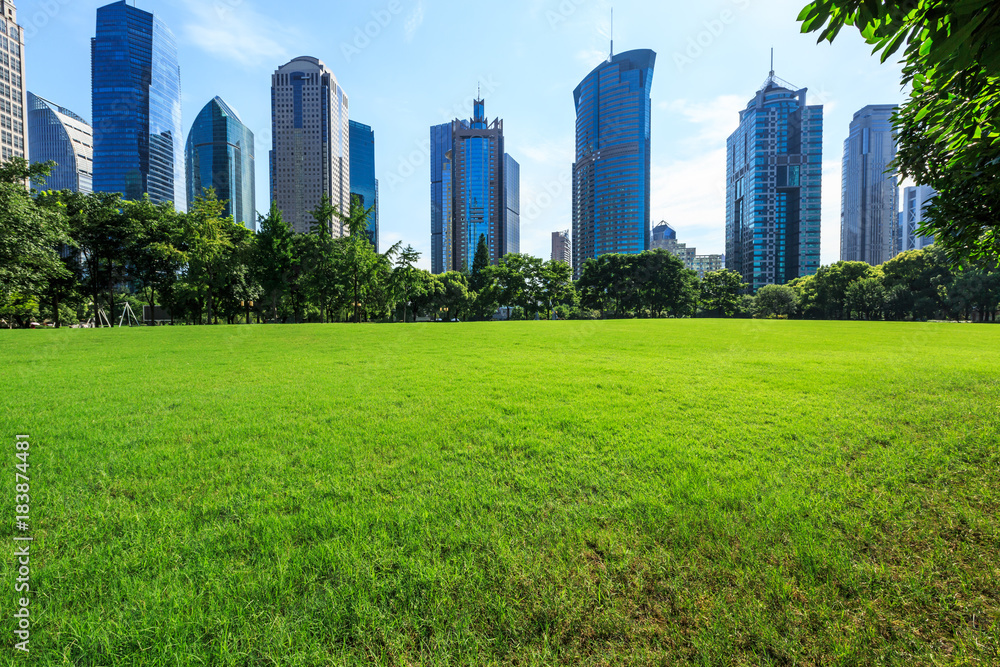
x,y
599,493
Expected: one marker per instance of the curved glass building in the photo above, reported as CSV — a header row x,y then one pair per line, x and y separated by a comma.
x,y
59,135
774,175
136,98
220,155
611,210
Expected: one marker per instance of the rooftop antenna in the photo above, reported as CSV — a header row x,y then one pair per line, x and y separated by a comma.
x,y
772,61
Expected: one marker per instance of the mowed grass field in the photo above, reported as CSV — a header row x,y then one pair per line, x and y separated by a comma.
x,y
538,493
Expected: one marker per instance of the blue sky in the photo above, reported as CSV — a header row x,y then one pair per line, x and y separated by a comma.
x,y
409,64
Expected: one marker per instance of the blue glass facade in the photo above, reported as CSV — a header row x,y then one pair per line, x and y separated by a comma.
x,y
58,135
663,233
364,186
611,209
471,195
220,155
136,98
774,170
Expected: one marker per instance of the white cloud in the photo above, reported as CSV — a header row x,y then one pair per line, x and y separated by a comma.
x,y
592,57
233,30
413,22
830,212
716,119
691,196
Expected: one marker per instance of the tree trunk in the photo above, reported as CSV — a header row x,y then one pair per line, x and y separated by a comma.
x,y
55,308
152,308
111,288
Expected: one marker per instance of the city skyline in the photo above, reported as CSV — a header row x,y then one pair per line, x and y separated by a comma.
x,y
692,108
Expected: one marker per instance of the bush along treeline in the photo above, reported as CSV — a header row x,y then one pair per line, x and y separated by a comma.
x,y
67,257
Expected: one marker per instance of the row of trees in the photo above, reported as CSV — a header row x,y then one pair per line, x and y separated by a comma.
x,y
915,285
67,256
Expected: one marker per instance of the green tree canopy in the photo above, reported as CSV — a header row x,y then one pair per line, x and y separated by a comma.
x,y
949,129
30,235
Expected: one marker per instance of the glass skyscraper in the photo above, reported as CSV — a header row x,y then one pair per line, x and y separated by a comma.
x,y
364,186
58,135
310,149
869,230
512,208
220,155
611,210
136,98
774,169
475,191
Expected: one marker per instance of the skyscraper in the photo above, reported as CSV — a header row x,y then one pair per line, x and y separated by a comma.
x,y
220,155
13,98
310,154
869,196
364,186
774,168
59,135
136,97
475,191
916,200
611,209
562,247
512,208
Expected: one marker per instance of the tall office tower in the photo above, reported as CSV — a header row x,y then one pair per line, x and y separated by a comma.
x,y
774,169
562,247
364,186
220,155
869,226
136,99
310,153
441,238
475,191
58,135
611,210
916,200
512,210
13,98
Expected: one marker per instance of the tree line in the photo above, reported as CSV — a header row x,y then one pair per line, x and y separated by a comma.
x,y
67,257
